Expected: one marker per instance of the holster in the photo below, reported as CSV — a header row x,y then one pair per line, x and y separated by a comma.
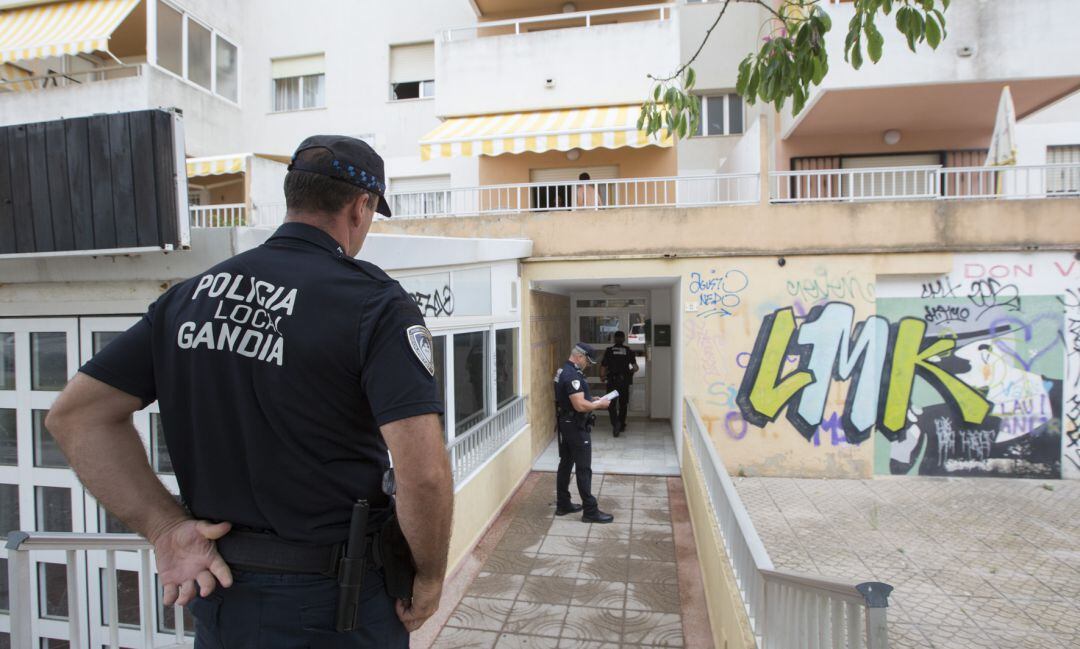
x,y
398,565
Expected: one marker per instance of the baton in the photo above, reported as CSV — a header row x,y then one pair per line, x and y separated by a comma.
x,y
351,568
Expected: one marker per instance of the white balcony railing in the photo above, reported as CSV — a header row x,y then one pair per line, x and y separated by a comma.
x,y
786,610
219,216
675,191
925,183
22,607
661,11
74,78
480,443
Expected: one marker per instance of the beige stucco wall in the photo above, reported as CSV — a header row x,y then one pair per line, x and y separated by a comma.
x,y
647,162
548,343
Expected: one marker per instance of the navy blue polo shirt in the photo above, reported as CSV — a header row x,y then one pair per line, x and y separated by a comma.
x,y
273,371
569,380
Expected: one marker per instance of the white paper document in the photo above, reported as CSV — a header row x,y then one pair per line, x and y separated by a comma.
x,y
610,396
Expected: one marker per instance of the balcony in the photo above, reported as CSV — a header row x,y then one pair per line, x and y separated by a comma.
x,y
535,63
952,90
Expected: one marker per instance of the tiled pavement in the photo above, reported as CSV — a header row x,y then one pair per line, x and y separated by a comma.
x,y
646,447
559,583
976,562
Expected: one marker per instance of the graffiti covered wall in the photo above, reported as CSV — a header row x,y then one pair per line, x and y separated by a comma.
x,y
848,366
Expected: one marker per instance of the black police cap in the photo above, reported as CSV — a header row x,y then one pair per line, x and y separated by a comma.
x,y
351,160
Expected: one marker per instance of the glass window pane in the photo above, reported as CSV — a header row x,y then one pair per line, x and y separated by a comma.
x,y
127,598
597,328
314,94
227,66
110,524
52,643
736,112
166,616
7,360
715,114
469,379
52,590
5,640
9,439
159,450
47,452
427,88
48,360
438,351
505,365
169,34
9,509
406,90
4,596
287,94
103,338
198,54
53,509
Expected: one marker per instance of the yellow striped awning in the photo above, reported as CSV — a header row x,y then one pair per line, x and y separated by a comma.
x,y
60,28
13,78
609,127
216,165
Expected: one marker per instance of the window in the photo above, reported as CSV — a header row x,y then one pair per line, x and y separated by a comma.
x,y
438,354
419,195
9,509
505,366
721,115
127,598
470,379
52,590
48,360
53,509
9,441
7,360
228,63
102,338
166,615
47,453
110,524
212,62
159,451
412,71
53,643
299,82
1063,180
4,589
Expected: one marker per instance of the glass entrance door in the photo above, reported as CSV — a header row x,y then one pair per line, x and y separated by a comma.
x,y
595,321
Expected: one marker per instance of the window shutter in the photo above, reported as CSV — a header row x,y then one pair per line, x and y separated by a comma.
x,y
298,66
412,62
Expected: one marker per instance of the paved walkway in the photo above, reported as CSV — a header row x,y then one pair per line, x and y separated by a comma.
x,y
976,562
646,447
547,582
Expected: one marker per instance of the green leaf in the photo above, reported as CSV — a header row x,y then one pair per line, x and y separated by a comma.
x,y
824,17
886,7
656,93
856,54
945,5
690,78
874,44
933,33
819,71
798,100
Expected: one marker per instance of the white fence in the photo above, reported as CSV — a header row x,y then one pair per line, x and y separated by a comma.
x,y
786,610
231,215
559,21
478,444
22,609
674,191
927,182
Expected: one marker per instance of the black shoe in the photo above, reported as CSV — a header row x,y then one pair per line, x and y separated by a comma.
x,y
559,511
616,432
597,517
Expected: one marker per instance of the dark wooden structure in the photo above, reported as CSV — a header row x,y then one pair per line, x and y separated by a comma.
x,y
104,182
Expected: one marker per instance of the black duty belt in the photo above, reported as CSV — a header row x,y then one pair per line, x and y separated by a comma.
x,y
266,552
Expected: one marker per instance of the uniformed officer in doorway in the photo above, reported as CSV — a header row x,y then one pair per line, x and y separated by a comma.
x,y
617,370
284,375
574,417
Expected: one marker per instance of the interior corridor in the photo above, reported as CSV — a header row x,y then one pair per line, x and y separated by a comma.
x,y
540,581
646,447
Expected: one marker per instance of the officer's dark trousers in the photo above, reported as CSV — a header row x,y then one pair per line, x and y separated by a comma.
x,y
274,611
575,453
618,408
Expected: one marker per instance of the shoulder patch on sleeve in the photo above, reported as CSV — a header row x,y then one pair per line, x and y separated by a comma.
x,y
420,341
576,383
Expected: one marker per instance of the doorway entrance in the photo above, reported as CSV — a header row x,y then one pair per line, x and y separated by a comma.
x,y
594,319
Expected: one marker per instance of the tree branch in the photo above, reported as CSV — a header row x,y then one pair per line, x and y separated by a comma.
x,y
700,47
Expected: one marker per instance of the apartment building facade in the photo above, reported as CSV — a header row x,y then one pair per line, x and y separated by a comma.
x,y
863,240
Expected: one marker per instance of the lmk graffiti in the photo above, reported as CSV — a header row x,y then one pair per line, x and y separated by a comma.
x,y
881,359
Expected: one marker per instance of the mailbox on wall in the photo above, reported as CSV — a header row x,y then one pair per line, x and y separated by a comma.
x,y
104,184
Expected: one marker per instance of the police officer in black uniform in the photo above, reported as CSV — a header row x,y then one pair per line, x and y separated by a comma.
x,y
617,370
284,376
574,418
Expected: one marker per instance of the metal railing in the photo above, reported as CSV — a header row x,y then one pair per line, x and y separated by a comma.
x,y
673,191
218,216
563,20
925,183
478,444
785,610
73,78
21,544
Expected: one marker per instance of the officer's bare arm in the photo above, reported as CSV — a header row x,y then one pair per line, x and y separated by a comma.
x,y
91,421
581,405
425,505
